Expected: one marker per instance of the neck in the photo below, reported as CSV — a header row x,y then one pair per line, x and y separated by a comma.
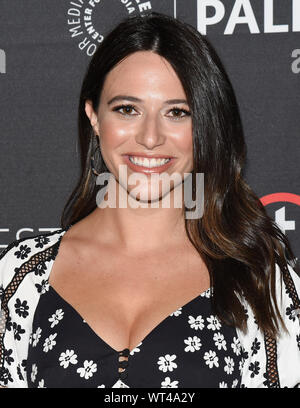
x,y
143,228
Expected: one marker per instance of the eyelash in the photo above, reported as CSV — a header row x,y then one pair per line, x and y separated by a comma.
x,y
187,113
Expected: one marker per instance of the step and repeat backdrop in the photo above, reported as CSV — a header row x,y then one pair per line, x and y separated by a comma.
x,y
45,47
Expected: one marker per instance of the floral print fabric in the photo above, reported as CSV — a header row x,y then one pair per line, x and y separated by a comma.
x,y
44,342
190,348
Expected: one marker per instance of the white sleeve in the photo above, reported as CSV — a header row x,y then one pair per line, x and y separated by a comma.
x,y
269,363
11,369
288,345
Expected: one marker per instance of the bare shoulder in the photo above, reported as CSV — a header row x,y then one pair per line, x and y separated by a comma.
x,y
77,252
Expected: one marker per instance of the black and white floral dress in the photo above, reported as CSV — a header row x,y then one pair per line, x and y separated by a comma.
x,y
44,342
190,348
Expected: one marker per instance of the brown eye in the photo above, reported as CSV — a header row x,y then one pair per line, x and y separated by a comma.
x,y
179,113
127,109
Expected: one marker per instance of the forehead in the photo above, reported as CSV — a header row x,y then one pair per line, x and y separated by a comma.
x,y
143,71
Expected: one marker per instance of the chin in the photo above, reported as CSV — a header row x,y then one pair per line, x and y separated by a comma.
x,y
145,197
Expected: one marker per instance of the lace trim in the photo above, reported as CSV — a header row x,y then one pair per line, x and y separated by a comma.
x,y
272,369
270,342
290,287
23,270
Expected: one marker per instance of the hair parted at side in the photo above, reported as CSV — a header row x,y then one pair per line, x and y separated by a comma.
x,y
235,237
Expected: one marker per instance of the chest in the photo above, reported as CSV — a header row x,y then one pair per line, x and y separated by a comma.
x,y
123,298
190,348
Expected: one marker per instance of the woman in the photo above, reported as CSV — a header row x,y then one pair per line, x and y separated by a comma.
x,y
142,296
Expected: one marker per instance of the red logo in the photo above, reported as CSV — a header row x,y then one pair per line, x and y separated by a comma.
x,y
280,214
280,197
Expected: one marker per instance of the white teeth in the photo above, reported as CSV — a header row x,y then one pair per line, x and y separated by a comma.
x,y
145,162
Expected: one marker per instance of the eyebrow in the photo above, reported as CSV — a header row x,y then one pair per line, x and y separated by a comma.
x,y
134,99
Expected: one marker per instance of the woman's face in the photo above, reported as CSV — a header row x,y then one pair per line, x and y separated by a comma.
x,y
143,114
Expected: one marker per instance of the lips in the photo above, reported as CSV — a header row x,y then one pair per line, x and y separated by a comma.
x,y
149,156
148,170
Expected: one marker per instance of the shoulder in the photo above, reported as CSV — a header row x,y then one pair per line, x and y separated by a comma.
x,y
26,253
272,362
288,288
288,343
24,268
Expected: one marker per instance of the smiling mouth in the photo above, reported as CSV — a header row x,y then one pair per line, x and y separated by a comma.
x,y
148,163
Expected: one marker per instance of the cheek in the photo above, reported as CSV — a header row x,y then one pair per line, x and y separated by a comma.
x,y
184,142
185,146
112,134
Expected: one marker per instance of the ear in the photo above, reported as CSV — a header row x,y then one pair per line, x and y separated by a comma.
x,y
92,116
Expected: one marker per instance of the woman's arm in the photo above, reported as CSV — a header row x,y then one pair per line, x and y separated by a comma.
x,y
288,345
268,363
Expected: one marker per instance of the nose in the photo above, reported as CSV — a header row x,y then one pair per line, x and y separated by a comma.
x,y
150,134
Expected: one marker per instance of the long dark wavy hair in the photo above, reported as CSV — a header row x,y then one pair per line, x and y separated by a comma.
x,y
237,240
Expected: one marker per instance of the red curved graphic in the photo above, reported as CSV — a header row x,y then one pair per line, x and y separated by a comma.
x,y
277,197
